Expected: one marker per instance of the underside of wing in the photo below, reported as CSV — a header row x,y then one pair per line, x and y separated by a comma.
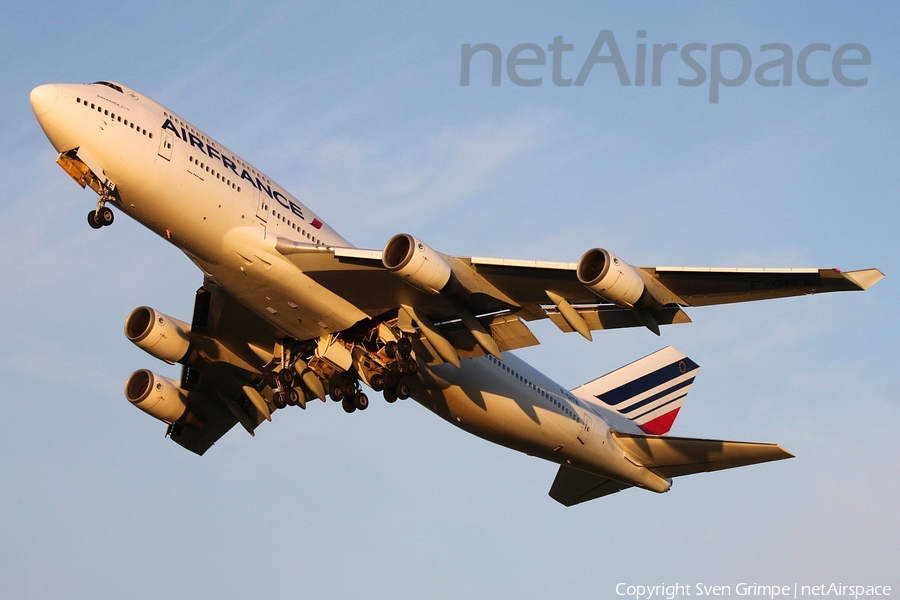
x,y
217,402
600,291
706,286
226,350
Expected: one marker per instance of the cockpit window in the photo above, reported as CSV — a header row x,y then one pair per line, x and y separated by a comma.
x,y
111,85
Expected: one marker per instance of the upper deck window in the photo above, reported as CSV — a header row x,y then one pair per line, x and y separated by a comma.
x,y
109,85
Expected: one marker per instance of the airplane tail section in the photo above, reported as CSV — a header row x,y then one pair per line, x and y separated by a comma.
x,y
649,391
665,456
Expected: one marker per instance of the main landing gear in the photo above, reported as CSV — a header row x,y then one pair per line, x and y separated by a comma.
x,y
286,392
390,380
345,390
387,367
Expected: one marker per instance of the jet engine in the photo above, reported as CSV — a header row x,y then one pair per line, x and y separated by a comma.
x,y
155,395
610,277
416,262
160,335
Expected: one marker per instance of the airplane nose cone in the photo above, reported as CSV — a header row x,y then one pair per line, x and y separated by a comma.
x,y
43,97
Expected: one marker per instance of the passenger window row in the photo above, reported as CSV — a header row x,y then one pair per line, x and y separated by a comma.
x,y
556,402
115,118
290,223
214,173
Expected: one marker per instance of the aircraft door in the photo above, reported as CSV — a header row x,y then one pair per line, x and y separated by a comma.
x,y
262,205
166,140
586,424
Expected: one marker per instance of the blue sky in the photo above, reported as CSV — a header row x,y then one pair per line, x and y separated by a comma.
x,y
359,111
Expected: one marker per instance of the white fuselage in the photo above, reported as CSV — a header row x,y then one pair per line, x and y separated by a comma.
x,y
226,215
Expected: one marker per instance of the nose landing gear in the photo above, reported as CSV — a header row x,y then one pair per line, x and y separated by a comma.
x,y
101,217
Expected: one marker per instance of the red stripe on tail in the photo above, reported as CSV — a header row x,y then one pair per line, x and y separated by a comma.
x,y
660,425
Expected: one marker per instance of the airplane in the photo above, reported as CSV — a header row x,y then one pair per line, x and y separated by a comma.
x,y
289,311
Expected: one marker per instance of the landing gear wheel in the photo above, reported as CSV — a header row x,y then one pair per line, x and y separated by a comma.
x,y
410,365
392,350
336,387
404,345
293,397
272,380
105,216
389,378
390,396
278,400
361,401
93,221
286,377
348,405
402,390
377,382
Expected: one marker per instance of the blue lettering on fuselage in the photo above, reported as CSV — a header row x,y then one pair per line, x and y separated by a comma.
x,y
171,127
263,187
229,164
195,141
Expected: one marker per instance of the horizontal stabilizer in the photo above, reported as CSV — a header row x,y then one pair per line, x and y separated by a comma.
x,y
572,486
673,457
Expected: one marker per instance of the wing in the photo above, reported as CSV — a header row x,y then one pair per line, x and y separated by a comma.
x,y
241,366
706,286
599,292
231,348
216,401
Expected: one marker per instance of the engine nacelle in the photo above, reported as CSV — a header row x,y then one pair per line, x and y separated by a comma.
x,y
417,263
610,277
159,335
155,395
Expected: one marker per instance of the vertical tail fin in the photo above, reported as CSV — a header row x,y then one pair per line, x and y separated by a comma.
x,y
649,391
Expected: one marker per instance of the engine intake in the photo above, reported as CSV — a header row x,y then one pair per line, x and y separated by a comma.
x,y
610,277
160,335
417,263
155,395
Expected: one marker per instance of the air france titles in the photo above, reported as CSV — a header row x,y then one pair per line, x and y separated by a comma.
x,y
722,60
211,152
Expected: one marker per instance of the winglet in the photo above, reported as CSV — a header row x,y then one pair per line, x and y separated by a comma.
x,y
864,278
